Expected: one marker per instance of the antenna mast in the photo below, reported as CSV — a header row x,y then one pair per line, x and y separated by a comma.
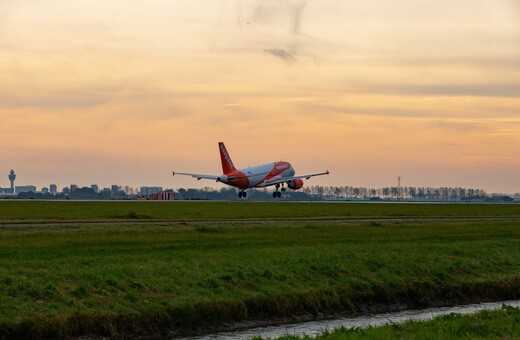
x,y
398,188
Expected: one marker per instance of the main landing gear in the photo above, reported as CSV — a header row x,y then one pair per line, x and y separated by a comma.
x,y
278,193
242,193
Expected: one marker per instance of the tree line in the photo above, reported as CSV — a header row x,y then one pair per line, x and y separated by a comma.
x,y
318,192
307,193
396,193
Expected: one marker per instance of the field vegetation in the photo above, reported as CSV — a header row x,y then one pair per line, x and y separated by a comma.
x,y
52,211
138,278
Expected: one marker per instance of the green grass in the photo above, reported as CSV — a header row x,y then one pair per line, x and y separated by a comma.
x,y
130,279
498,324
52,211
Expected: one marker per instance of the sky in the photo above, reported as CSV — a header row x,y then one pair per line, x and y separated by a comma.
x,y
124,91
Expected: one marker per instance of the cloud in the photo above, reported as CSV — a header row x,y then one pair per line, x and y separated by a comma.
x,y
296,13
4,8
459,126
76,100
284,12
275,20
492,90
54,101
281,54
232,105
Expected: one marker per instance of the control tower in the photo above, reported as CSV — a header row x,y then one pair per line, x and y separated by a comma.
x,y
12,177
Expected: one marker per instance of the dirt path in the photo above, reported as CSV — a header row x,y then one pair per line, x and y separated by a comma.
x,y
255,221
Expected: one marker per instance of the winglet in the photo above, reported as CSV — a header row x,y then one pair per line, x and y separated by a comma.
x,y
327,172
173,173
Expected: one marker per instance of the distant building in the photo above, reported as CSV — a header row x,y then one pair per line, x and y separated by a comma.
x,y
150,190
53,189
25,188
95,188
73,187
114,188
45,190
65,191
6,191
163,196
11,190
103,193
500,199
83,193
158,196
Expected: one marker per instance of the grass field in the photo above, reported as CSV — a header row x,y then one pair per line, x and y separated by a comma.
x,y
52,211
59,281
499,324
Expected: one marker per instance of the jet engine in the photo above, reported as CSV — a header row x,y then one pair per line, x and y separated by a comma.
x,y
295,184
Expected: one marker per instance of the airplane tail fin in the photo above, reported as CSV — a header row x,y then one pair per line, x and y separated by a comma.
x,y
227,163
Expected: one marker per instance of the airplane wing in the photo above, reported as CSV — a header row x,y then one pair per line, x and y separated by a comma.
x,y
197,176
286,179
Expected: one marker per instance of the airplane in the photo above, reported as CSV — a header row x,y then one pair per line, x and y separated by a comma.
x,y
277,173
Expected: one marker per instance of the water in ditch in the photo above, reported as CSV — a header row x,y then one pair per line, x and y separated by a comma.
x,y
317,327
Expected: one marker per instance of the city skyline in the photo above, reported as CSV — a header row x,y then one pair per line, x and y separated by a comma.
x,y
54,188
125,92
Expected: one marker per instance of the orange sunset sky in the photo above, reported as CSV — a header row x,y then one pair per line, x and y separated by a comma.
x,y
124,91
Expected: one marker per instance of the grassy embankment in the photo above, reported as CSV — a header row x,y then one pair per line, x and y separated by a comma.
x,y
499,324
127,279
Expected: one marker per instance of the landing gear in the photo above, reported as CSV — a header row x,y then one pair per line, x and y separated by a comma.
x,y
277,193
242,194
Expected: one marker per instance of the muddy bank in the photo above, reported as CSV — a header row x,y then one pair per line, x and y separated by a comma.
x,y
328,305
314,328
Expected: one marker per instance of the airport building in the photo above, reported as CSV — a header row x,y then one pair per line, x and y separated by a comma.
x,y
162,196
16,189
5,191
158,196
25,188
499,199
12,177
53,189
9,191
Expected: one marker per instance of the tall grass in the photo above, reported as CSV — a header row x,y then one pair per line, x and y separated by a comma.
x,y
136,279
